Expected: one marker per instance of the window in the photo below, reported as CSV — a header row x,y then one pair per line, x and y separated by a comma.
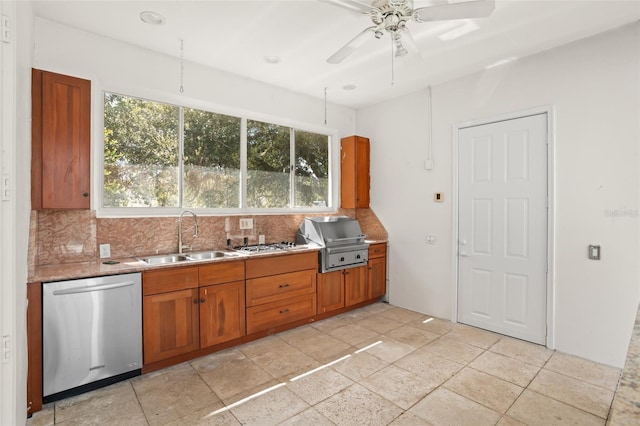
x,y
161,155
211,176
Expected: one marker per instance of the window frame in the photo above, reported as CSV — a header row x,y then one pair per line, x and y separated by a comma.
x,y
244,115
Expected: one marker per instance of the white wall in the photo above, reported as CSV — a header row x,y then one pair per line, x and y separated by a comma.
x,y
594,85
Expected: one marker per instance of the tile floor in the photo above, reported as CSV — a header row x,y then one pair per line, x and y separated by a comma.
x,y
379,365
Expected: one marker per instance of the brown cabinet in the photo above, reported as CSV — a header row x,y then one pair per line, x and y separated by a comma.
x,y
61,141
330,291
185,309
222,302
355,285
377,276
170,316
354,172
221,313
280,290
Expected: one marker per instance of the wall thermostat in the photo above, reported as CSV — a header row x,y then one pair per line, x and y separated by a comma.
x,y
438,197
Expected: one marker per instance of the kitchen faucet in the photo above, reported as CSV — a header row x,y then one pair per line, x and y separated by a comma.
x,y
181,247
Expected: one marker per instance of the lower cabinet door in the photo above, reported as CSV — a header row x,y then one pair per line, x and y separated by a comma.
x,y
377,277
355,285
222,315
170,324
330,291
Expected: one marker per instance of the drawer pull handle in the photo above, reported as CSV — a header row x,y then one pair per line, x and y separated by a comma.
x,y
284,311
285,285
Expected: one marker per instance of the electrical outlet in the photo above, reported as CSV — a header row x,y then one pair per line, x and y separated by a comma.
x,y
105,251
246,223
260,239
431,239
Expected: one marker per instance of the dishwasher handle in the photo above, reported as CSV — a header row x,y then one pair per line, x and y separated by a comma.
x,y
102,287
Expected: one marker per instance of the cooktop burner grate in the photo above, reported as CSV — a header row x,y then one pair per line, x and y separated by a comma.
x,y
283,245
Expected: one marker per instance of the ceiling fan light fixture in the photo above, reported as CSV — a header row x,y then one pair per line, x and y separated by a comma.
x,y
401,51
152,18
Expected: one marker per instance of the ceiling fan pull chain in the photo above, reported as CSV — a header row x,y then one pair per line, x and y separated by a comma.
x,y
392,63
181,65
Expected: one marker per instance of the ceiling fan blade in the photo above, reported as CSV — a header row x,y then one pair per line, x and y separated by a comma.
x,y
355,5
352,46
462,10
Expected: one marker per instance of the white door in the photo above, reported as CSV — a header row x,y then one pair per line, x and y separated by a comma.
x,y
502,227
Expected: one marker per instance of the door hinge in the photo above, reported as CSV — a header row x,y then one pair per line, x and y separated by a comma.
x,y
6,189
7,33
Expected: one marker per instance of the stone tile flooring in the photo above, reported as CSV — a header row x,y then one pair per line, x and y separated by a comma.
x,y
379,365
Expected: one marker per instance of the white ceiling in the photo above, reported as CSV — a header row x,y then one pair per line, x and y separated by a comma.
x,y
236,35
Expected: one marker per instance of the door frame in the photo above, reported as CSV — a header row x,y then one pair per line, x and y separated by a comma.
x,y
549,111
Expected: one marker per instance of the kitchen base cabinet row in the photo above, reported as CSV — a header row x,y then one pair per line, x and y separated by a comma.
x,y
193,311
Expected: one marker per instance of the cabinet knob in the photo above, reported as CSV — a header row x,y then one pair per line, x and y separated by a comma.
x,y
85,194
196,301
203,300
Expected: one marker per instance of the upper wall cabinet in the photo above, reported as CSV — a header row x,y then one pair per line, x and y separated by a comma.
x,y
61,141
354,172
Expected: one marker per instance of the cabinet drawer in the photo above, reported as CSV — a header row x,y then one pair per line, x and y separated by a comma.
x,y
223,272
377,250
274,265
278,287
270,315
162,281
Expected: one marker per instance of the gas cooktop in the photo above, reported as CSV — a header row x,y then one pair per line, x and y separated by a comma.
x,y
260,248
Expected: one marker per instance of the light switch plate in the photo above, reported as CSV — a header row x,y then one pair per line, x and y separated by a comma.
x,y
438,197
594,252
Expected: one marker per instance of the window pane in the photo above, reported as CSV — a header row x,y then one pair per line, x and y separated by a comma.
x,y
312,169
140,153
211,160
267,165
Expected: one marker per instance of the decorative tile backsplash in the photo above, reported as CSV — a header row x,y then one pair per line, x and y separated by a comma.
x,y
70,236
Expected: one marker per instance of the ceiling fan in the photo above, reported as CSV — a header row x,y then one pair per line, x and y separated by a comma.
x,y
391,16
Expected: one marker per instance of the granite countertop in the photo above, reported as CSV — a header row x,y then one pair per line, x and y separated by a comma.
x,y
625,409
96,268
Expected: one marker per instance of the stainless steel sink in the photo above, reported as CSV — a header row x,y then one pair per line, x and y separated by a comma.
x,y
167,258
175,258
210,255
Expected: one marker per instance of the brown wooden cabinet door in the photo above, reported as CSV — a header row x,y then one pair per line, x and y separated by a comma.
x,y
222,315
354,172
377,277
170,324
61,140
355,285
330,291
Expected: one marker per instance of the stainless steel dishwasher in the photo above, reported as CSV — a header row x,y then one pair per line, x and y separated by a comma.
x,y
91,332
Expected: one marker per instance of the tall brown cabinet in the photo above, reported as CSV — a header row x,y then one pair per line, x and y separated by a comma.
x,y
60,141
354,172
